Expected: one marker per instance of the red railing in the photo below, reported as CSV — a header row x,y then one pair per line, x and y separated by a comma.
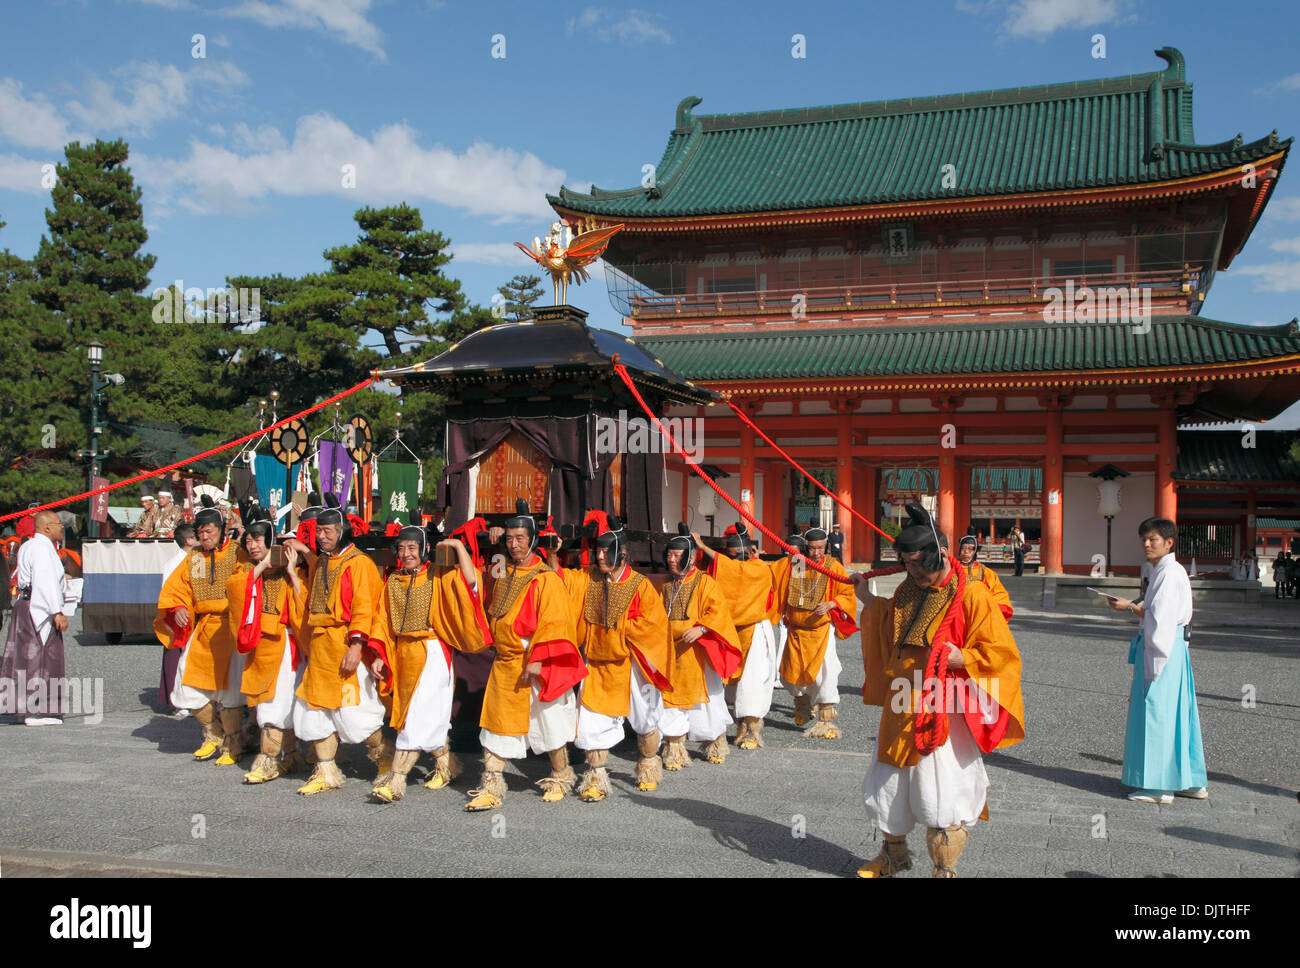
x,y
948,292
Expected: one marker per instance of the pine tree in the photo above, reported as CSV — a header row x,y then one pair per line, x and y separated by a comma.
x,y
90,273
43,399
519,295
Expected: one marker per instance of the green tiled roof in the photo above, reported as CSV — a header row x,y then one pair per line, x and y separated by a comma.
x,y
1117,131
1218,455
1025,345
1287,524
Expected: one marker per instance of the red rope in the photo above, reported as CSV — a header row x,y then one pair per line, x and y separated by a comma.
x,y
931,723
189,460
621,370
795,464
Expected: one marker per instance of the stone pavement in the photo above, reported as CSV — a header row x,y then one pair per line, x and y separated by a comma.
x,y
123,798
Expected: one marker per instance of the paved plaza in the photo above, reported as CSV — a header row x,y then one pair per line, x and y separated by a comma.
x,y
122,796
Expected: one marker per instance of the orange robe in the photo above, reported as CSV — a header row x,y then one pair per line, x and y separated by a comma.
x,y
640,634
719,646
534,606
747,588
334,612
454,617
985,574
894,674
258,624
199,586
805,646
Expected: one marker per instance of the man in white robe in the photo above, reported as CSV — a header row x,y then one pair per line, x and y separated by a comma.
x,y
34,646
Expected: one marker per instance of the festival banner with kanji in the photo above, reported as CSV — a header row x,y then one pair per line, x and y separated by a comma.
x,y
99,503
270,481
399,492
335,470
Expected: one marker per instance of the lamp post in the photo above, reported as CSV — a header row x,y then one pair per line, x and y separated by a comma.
x,y
1108,496
95,354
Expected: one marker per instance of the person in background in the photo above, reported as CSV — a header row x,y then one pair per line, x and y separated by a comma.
x,y
835,543
144,527
1017,538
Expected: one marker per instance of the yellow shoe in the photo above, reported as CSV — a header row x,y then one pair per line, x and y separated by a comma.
x,y
647,785
552,794
316,785
225,759
436,782
593,794
384,794
829,732
748,743
482,800
259,776
894,858
208,749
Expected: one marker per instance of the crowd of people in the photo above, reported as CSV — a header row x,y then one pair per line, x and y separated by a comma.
x,y
298,643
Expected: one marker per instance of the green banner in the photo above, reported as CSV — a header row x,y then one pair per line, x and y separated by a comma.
x,y
399,492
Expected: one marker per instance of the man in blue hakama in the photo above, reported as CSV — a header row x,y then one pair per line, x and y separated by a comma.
x,y
1163,756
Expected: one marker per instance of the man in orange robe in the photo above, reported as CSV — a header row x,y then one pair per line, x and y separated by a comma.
x,y
623,630
425,613
338,699
265,610
529,699
705,653
816,612
934,727
967,551
192,616
746,585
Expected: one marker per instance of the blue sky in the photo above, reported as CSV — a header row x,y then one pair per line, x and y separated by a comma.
x,y
240,152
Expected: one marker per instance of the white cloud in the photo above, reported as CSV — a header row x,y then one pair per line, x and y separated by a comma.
x,y
20,174
489,253
345,20
1287,209
1289,83
1280,276
607,24
1039,19
152,93
1289,246
390,166
31,121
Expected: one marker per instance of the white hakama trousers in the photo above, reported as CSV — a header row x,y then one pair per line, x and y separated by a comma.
x,y
752,693
596,731
278,712
428,714
188,697
826,687
353,723
704,722
550,726
945,788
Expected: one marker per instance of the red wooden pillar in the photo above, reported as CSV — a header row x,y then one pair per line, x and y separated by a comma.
x,y
844,478
1249,535
866,498
1053,492
773,502
746,465
961,519
1166,463
947,479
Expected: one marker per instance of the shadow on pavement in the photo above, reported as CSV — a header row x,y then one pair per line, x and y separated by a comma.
x,y
764,840
1233,842
1266,789
1079,779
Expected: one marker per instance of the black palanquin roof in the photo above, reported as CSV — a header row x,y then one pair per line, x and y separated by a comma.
x,y
555,347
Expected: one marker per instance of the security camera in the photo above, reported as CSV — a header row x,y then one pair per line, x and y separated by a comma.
x,y
117,379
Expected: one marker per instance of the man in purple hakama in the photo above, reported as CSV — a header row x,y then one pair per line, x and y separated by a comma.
x,y
31,670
